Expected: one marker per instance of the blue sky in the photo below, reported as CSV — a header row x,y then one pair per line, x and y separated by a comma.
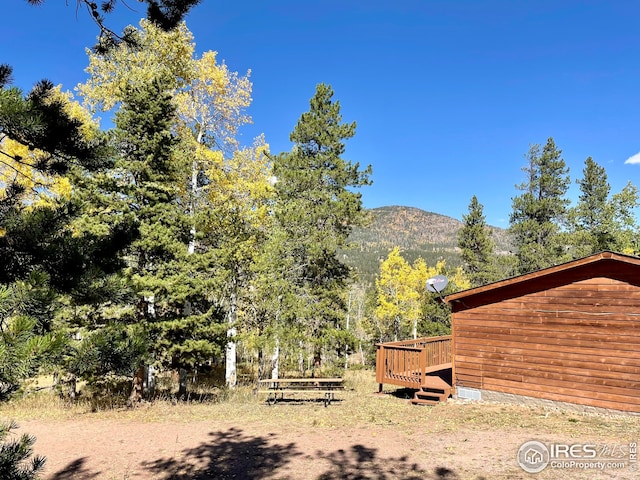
x,y
447,95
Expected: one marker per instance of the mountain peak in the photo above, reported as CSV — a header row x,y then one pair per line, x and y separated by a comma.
x,y
418,233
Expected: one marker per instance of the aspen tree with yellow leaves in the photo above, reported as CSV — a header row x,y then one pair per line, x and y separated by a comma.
x,y
404,306
21,164
45,154
397,296
221,187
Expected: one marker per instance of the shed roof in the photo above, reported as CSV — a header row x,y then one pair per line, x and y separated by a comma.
x,y
604,264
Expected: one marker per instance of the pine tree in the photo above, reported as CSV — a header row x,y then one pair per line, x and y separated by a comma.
x,y
591,219
316,208
599,222
166,14
539,212
221,187
476,245
170,285
16,462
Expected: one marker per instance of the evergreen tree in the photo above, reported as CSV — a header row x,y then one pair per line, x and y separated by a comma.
x,y
316,208
48,149
16,462
599,222
26,341
476,245
221,187
166,14
170,285
538,213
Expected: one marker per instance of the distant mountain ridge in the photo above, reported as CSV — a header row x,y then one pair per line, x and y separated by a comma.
x,y
417,232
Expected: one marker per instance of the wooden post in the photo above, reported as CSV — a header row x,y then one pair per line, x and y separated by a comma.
x,y
424,361
379,366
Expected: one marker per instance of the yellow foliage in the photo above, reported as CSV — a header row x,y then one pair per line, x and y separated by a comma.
x,y
18,162
397,295
209,98
401,289
242,183
166,54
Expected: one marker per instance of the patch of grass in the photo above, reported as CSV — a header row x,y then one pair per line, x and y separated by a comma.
x,y
358,406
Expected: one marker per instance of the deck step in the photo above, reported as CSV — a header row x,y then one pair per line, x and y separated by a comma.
x,y
432,391
420,401
438,397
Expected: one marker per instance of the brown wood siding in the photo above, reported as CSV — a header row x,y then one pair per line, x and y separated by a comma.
x,y
577,343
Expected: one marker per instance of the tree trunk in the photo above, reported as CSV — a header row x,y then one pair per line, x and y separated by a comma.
x,y
71,382
275,361
396,329
231,376
182,384
260,363
194,192
301,358
317,361
346,347
149,385
192,208
136,388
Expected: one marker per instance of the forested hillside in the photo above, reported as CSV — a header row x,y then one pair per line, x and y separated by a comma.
x,y
418,233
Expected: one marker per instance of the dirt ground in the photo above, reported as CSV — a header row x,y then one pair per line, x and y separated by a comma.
x,y
91,448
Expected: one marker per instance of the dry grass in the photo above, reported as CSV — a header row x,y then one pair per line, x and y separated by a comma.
x,y
358,406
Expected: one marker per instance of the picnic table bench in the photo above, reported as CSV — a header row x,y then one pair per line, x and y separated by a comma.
x,y
276,388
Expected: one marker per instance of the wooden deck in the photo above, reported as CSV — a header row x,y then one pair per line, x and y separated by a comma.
x,y
413,364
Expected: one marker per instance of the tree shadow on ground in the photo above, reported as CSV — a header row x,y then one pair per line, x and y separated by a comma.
x,y
75,470
363,463
230,454
233,454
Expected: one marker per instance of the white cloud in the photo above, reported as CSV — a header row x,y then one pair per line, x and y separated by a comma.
x,y
633,160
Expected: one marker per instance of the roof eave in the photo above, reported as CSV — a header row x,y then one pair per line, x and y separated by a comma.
x,y
595,258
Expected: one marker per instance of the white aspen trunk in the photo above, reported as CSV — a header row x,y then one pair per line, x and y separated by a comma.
x,y
149,384
231,375
415,329
192,205
396,327
275,361
301,358
346,347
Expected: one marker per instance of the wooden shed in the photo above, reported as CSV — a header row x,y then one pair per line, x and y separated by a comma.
x,y
568,333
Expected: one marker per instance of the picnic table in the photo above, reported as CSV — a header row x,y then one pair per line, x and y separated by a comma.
x,y
276,388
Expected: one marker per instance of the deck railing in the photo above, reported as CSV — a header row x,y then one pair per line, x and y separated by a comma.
x,y
406,363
